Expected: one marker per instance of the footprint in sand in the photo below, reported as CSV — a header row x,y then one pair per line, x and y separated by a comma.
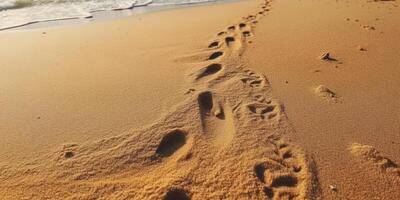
x,y
171,142
216,55
213,45
326,93
209,70
229,40
206,103
263,110
254,80
370,155
233,43
216,119
242,25
369,28
68,151
281,177
69,154
250,17
176,194
231,28
246,33
221,33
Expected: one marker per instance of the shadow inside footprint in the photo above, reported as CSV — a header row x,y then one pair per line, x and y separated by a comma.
x,y
268,109
216,55
246,33
287,155
259,170
252,108
171,143
210,69
284,181
69,154
213,44
229,40
205,100
269,192
176,194
221,33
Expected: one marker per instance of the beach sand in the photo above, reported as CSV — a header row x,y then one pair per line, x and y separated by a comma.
x,y
244,100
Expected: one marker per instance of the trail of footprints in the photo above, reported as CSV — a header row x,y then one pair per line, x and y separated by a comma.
x,y
231,42
277,176
280,177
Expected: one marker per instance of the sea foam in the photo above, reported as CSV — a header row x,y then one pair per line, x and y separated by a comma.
x,y
15,13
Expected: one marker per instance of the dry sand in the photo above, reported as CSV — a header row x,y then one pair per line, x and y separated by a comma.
x,y
181,104
335,103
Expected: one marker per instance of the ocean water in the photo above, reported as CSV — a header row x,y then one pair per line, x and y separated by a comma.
x,y
15,13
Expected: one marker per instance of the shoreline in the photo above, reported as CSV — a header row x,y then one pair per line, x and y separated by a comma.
x,y
109,15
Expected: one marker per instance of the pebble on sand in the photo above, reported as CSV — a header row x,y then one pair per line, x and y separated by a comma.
x,y
360,48
333,188
326,56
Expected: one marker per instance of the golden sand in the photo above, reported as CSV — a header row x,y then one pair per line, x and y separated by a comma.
x,y
221,101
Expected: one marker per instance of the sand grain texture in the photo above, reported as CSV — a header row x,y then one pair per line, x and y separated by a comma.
x,y
228,138
229,105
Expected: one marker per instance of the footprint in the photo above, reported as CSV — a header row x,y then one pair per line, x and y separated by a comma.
x,y
209,70
280,180
68,151
284,180
325,92
171,142
370,28
251,82
216,119
287,155
254,80
246,33
268,192
229,40
223,129
221,33
216,55
176,194
213,44
232,28
250,17
370,154
242,25
263,111
206,103
69,154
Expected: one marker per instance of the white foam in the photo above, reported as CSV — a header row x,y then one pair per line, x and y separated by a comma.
x,y
15,13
